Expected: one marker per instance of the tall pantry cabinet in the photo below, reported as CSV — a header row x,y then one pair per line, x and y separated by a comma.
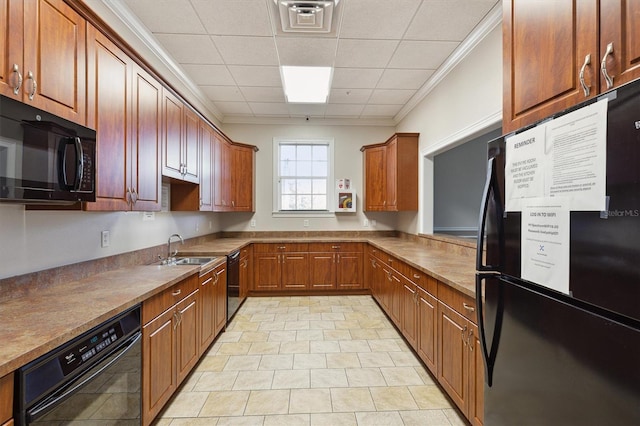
x,y
557,53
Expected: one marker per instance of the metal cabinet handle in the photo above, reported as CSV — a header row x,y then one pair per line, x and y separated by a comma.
x,y
34,85
338,258
282,247
603,66
416,276
464,330
176,293
468,307
335,247
233,203
134,196
470,340
215,279
586,89
16,70
128,196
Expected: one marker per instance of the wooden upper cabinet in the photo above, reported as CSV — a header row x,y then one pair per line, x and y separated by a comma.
x,y
109,89
242,178
620,26
125,110
553,51
191,146
391,174
180,148
206,169
43,56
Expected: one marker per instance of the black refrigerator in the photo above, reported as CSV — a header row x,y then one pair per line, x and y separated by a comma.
x,y
565,357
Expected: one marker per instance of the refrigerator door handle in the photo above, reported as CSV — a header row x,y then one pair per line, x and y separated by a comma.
x,y
490,188
489,353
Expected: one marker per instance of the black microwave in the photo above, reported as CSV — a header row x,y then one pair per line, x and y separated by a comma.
x,y
44,158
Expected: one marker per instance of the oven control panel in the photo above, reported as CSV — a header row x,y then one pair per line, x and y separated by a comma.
x,y
84,351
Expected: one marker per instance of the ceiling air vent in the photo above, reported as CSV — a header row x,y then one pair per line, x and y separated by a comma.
x,y
306,16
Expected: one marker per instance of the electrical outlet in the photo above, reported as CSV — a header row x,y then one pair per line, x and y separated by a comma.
x,y
105,239
253,223
365,223
305,222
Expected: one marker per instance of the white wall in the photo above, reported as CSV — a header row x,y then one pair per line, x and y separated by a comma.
x,y
465,104
348,164
35,240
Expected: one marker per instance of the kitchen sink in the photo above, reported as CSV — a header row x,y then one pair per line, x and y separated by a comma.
x,y
187,260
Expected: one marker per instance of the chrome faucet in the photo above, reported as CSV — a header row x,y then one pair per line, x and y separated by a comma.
x,y
169,253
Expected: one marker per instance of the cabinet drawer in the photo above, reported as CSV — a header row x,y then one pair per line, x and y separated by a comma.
x,y
280,247
245,251
159,303
461,303
6,397
426,282
335,247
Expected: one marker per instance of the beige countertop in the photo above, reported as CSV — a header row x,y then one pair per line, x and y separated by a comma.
x,y
42,319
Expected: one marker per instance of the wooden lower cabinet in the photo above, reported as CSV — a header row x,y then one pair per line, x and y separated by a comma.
x,y
169,343
220,289
6,400
295,271
336,266
246,270
427,343
410,312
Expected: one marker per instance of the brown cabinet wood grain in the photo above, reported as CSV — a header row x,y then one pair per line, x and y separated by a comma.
x,y
427,343
336,266
180,147
548,45
170,346
125,110
246,270
6,398
391,174
242,187
11,48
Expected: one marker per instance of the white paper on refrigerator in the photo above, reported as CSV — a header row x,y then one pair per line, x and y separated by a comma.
x,y
524,167
545,242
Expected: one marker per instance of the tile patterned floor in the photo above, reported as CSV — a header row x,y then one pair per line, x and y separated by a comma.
x,y
314,360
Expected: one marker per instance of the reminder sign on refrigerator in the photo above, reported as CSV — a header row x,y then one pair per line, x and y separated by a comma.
x,y
564,157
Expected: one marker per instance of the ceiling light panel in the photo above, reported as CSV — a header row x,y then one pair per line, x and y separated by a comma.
x,y
306,84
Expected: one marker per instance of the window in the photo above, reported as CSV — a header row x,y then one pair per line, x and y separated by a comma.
x,y
303,171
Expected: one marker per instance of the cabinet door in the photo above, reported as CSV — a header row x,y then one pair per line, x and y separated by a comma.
x,y
109,92
6,397
374,179
349,270
207,297
172,135
245,275
55,59
187,345
159,379
409,312
220,284
191,148
206,158
267,273
620,25
427,326
146,140
322,271
242,179
545,43
453,365
391,180
395,299
11,48
295,271
221,174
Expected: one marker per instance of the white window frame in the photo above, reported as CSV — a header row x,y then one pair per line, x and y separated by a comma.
x,y
277,211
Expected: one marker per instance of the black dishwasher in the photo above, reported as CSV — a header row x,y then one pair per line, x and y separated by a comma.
x,y
233,284
92,379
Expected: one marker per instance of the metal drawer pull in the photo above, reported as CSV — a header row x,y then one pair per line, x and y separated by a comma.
x,y
603,66
416,276
585,88
34,86
335,247
176,293
469,307
16,70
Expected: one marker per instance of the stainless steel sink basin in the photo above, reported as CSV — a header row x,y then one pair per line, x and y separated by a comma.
x,y
187,260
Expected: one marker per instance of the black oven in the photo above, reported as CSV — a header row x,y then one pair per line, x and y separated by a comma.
x,y
44,158
93,379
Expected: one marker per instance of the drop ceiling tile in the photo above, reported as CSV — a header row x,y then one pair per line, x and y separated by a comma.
x,y
234,17
234,108
210,75
391,96
403,79
190,49
263,94
306,51
236,50
356,78
422,54
269,108
377,19
169,16
256,76
223,93
447,20
364,53
306,110
343,110
349,96
381,110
